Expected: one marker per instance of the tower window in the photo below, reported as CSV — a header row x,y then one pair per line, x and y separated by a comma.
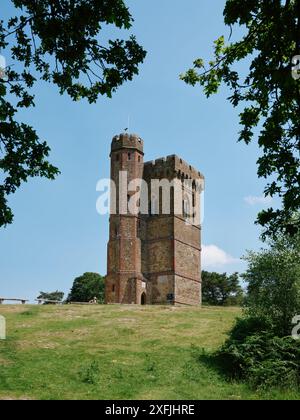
x,y
129,156
139,159
113,288
117,157
186,209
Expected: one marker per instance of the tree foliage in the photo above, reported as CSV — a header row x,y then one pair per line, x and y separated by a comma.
x,y
54,296
261,347
86,287
273,278
270,94
57,41
221,289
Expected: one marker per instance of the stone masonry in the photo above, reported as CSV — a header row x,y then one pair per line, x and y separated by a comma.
x,y
154,257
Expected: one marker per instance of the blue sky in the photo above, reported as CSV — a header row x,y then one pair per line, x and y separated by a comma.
x,y
57,233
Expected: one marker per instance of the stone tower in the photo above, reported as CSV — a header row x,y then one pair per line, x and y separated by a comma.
x,y
124,280
154,257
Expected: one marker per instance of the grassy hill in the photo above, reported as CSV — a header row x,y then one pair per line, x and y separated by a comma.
x,y
114,352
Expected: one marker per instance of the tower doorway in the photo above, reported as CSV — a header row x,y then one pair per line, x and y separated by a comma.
x,y
143,299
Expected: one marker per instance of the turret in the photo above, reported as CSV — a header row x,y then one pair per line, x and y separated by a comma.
x,y
124,248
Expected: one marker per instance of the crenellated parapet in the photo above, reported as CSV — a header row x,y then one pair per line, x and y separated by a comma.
x,y
127,141
171,167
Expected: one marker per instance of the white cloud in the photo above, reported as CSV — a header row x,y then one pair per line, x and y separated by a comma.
x,y
253,200
214,256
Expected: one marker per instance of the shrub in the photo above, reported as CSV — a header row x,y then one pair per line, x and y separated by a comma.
x,y
252,352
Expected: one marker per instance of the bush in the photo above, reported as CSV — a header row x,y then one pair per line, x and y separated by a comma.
x,y
260,348
252,352
273,374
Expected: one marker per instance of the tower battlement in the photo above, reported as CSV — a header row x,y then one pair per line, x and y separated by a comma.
x,y
127,141
173,165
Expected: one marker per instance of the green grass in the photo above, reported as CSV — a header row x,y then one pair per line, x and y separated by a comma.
x,y
116,352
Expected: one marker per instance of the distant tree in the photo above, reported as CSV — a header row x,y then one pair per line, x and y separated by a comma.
x,y
62,42
87,287
55,296
261,69
221,289
273,278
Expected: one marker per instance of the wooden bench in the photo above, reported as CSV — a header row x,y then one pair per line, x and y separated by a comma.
x,y
81,303
52,302
23,301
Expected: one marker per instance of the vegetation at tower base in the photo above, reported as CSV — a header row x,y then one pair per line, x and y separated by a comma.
x,y
87,287
58,42
221,289
270,94
260,347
